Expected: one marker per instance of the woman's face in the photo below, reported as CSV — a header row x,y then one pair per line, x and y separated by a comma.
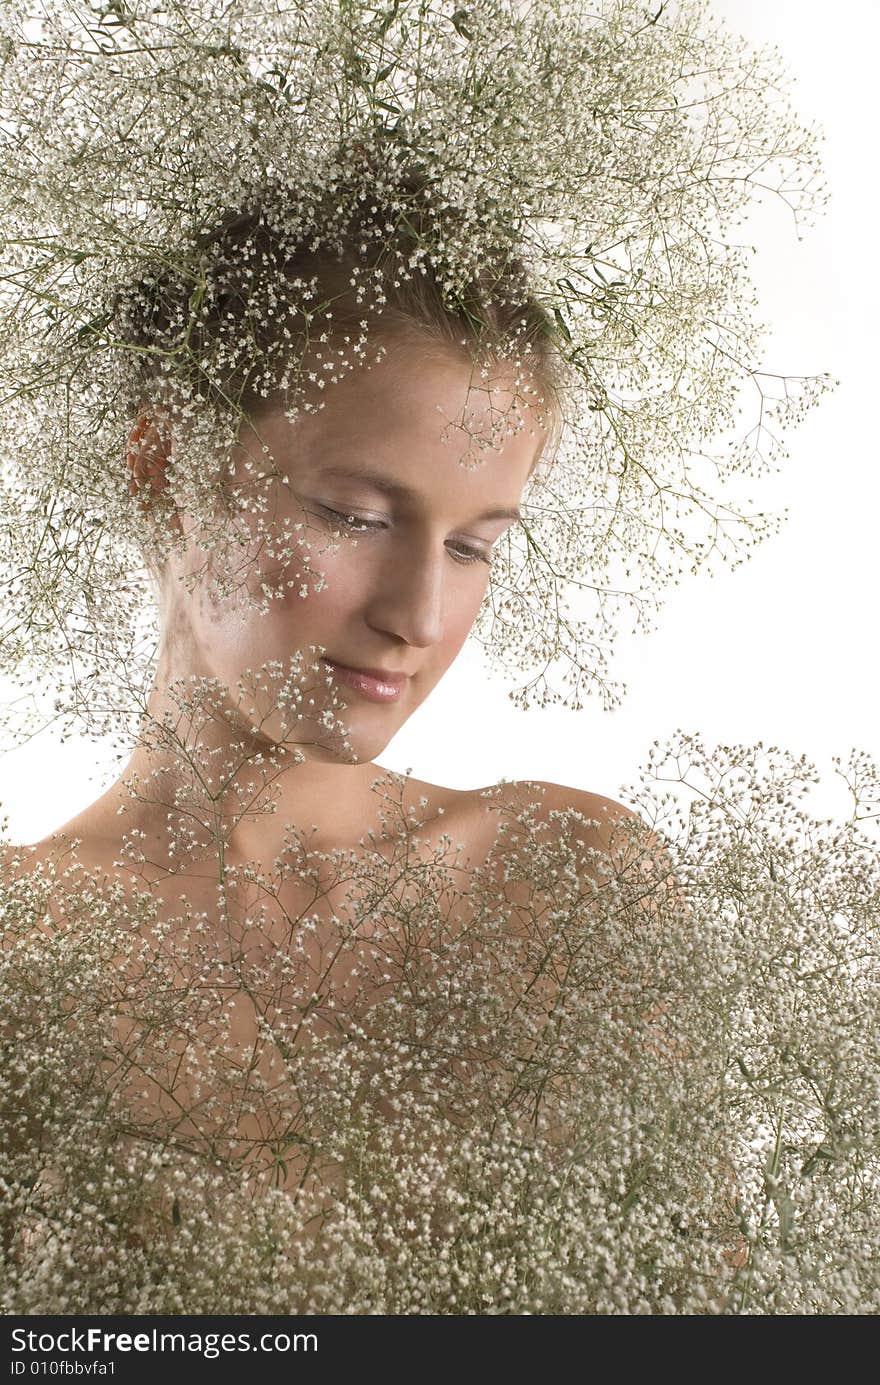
x,y
401,581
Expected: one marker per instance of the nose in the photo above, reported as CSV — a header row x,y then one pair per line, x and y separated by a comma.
x,y
406,599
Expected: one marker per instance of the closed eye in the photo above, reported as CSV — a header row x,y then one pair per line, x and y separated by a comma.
x,y
353,521
463,553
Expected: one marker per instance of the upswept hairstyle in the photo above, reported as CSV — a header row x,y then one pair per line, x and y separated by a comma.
x,y
220,330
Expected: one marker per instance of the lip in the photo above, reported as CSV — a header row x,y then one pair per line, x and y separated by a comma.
x,y
376,684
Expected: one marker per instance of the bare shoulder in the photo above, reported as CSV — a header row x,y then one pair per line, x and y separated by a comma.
x,y
559,798
621,834
539,810
53,870
592,817
23,904
18,861
59,850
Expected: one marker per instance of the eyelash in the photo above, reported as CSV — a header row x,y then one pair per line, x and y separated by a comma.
x,y
354,522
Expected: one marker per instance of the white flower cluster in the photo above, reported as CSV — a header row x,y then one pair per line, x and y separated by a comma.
x,y
598,159
564,1087
559,1081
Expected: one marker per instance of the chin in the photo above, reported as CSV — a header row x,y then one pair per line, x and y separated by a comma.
x,y
360,751
328,744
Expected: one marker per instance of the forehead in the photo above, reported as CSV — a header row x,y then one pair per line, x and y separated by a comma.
x,y
415,404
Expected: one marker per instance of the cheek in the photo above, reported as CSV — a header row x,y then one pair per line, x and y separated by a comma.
x,y
311,611
462,609
295,571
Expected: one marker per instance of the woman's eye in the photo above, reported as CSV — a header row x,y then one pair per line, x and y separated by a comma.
x,y
351,521
462,552
465,554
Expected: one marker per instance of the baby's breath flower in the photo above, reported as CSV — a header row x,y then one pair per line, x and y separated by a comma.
x,y
371,1080
569,180
697,1130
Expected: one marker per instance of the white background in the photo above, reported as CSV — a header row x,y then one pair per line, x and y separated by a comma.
x,y
784,649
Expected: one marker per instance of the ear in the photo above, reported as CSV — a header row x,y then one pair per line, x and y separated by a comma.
x,y
149,449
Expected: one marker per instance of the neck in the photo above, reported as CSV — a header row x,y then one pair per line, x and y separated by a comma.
x,y
206,784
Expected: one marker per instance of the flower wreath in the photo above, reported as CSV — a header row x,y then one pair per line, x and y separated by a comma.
x,y
602,161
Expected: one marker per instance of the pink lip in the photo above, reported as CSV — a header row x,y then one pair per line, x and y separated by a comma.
x,y
372,683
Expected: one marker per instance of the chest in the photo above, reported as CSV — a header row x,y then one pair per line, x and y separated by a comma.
x,y
273,1007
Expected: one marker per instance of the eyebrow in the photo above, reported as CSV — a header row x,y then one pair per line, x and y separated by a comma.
x,y
399,491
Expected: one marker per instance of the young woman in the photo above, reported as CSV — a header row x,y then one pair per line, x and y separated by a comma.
x,y
392,521
253,791
259,963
